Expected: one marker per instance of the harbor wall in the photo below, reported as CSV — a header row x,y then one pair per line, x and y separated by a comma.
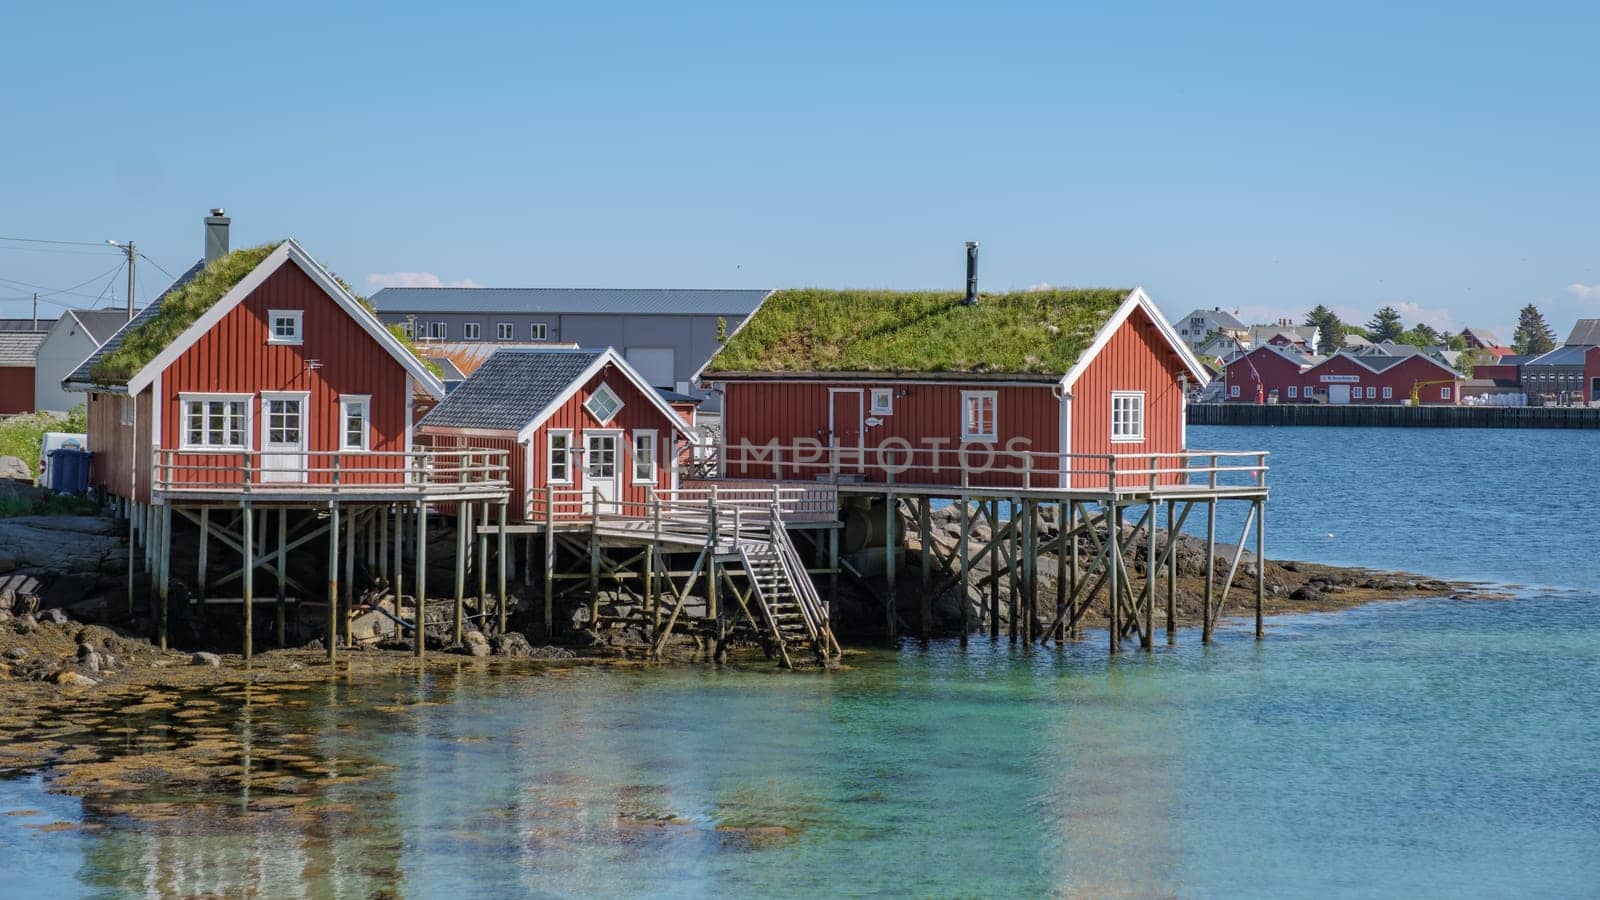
x,y
1394,416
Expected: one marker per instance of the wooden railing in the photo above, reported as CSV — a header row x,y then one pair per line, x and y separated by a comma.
x,y
690,508
431,472
991,465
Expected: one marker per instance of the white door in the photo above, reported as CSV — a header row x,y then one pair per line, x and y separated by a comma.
x,y
654,364
600,470
283,444
1338,393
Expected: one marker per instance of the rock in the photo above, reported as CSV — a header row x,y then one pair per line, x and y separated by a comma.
x,y
56,616
69,678
548,652
89,659
473,643
17,654
206,659
15,469
315,645
1307,593
25,624
512,644
64,543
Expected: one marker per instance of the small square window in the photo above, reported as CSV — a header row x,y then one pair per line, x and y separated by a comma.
x,y
882,401
1233,390
503,331
1388,393
1372,393
978,416
1127,416
537,331
1294,392
283,326
1444,393
603,404
469,331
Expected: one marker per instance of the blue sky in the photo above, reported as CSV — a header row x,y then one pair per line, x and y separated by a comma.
x,y
1262,157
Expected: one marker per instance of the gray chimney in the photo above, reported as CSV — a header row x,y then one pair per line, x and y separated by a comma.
x,y
216,235
972,274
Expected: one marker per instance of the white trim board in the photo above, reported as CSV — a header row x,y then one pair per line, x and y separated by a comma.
x,y
1136,299
289,251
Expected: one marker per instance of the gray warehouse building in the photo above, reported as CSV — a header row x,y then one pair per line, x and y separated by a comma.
x,y
665,334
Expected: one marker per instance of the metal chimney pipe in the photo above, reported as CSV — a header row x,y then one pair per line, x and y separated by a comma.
x,y
972,274
216,235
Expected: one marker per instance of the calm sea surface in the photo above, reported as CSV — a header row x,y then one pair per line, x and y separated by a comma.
x,y
1426,748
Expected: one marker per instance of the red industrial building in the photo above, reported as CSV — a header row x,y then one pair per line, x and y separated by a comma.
x,y
1591,375
17,368
963,421
1267,374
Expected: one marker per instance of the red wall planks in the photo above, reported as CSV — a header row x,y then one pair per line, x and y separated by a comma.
x,y
16,389
1137,358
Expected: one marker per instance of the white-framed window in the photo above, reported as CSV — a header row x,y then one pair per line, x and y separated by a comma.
x,y
882,401
537,331
438,330
469,331
558,457
644,456
1372,393
603,403
1127,416
355,417
284,326
1444,393
1233,390
1294,392
504,331
1388,393
978,416
216,421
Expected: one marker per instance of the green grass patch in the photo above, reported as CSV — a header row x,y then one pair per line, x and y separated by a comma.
x,y
22,436
814,330
14,503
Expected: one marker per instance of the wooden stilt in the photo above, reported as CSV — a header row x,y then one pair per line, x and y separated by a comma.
x,y
133,533
1066,565
549,563
202,551
925,536
891,603
342,622
398,588
833,574
420,645
1147,636
247,544
1114,587
966,568
483,565
283,582
463,524
1210,570
1172,574
1261,567
164,567
333,581
383,544
994,568
500,570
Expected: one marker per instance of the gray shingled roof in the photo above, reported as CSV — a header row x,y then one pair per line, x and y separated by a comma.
x,y
551,301
1586,332
80,375
101,324
510,389
18,348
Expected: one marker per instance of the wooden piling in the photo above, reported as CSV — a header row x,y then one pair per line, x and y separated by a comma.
x,y
463,523
1147,637
500,569
333,580
397,589
549,562
1113,583
994,569
342,622
891,603
421,589
1172,573
966,566
283,577
1066,565
247,546
1261,567
164,568
483,565
1211,570
925,603
202,551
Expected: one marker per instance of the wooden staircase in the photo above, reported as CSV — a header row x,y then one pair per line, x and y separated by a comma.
x,y
793,614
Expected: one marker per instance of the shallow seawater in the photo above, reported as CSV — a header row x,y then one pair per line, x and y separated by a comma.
x,y
1423,748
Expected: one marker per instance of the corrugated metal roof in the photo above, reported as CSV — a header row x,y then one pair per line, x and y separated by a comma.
x,y
18,348
1570,355
101,324
80,375
26,324
551,301
510,389
1585,332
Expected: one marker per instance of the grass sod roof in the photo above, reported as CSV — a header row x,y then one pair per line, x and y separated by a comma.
x,y
814,330
184,305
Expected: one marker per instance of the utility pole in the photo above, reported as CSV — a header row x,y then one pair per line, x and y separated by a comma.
x,y
132,252
35,310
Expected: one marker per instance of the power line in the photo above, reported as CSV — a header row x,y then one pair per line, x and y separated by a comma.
x,y
157,265
71,291
67,243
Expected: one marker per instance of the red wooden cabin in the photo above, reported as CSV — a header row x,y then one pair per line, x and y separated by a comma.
x,y
1030,389
1267,370
284,382
579,426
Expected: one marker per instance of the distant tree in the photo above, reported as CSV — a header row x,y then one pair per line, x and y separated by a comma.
x,y
1453,341
1421,336
1386,325
1470,359
1358,331
1533,335
1330,331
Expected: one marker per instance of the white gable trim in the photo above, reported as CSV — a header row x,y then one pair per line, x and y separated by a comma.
x,y
289,251
1137,299
628,372
695,378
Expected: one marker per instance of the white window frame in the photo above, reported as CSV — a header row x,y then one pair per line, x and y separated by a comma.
x,y
882,401
438,331
365,402
1233,390
538,331
1444,393
992,435
633,452
1294,392
187,446
603,390
1388,392
1127,437
471,331
505,331
298,316
1372,392
550,456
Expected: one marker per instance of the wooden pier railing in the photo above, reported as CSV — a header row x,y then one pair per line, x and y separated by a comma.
x,y
429,473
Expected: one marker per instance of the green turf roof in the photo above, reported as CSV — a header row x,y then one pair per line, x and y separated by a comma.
x,y
813,330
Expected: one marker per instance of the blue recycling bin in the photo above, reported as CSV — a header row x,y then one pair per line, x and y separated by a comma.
x,y
69,470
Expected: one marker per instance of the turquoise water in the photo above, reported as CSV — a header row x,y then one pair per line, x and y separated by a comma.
x,y
1426,748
